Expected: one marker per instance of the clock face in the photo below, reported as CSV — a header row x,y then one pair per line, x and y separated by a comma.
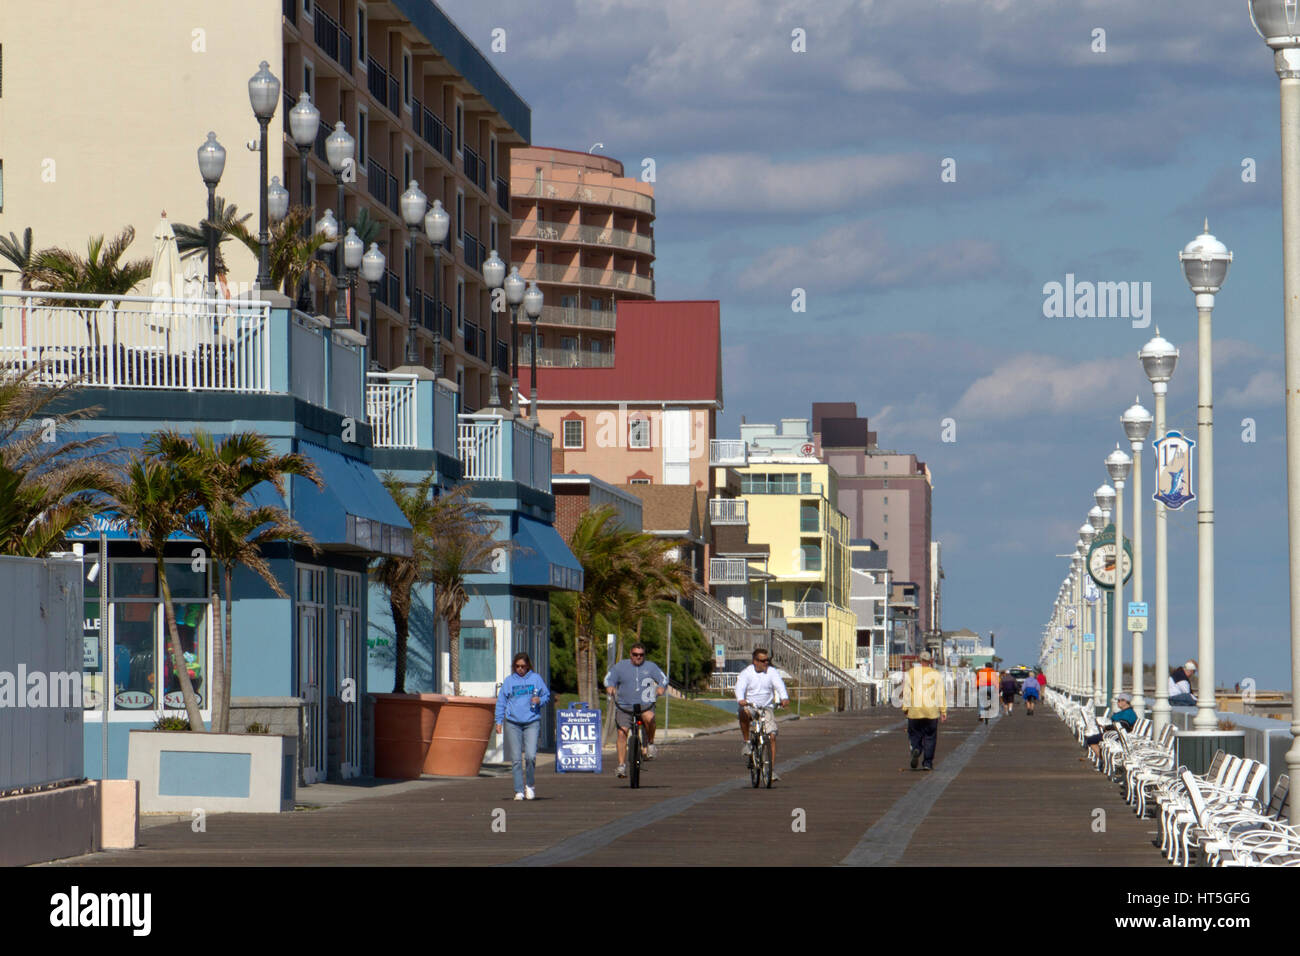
x,y
1101,565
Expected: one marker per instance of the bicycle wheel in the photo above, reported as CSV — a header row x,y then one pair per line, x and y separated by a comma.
x,y
756,760
769,760
634,757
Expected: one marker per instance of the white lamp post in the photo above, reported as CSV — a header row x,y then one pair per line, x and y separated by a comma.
x,y
1137,425
1205,263
1086,535
1105,498
1275,20
1159,359
1119,465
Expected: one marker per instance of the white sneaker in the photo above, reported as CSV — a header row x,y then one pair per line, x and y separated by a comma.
x,y
747,749
530,793
651,752
622,770
519,796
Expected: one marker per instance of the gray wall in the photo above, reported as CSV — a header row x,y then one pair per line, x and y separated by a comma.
x,y
40,632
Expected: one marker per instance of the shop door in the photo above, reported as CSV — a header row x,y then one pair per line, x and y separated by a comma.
x,y
311,665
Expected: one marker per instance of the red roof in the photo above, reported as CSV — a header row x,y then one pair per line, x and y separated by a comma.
x,y
663,352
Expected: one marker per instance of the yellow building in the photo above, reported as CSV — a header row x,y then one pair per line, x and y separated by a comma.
x,y
791,504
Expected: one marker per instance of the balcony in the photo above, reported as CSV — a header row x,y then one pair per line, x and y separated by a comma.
x,y
727,452
504,449
564,358
578,318
802,610
405,411
582,275
290,10
377,182
728,571
582,193
503,194
778,485
474,253
231,346
729,511
333,39
383,86
620,239
475,168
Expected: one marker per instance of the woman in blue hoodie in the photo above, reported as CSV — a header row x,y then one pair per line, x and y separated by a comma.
x,y
519,709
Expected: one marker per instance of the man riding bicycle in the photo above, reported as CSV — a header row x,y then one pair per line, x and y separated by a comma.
x,y
758,686
631,682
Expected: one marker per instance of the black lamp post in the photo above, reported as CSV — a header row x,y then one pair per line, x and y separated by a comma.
x,y
494,273
436,226
515,287
413,205
263,94
372,270
304,126
353,248
212,163
340,150
533,309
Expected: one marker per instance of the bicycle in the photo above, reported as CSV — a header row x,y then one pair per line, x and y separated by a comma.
x,y
636,744
762,752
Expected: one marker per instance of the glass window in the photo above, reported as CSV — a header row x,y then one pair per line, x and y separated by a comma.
x,y
476,662
361,33
192,628
185,582
136,579
573,433
595,345
812,557
808,518
460,213
135,642
638,431
639,481
460,125
406,78
363,130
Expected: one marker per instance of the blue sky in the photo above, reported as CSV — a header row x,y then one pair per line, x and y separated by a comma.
x,y
821,170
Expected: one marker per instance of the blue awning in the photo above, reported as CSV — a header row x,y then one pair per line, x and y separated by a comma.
x,y
543,559
354,509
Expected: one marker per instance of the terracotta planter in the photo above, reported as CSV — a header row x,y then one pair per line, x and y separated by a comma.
x,y
404,725
460,737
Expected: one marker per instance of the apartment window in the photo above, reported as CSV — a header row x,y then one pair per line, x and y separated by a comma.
x,y
886,482
886,464
569,343
492,157
597,305
307,7
639,481
886,499
573,437
406,79
460,217
886,519
809,519
638,433
309,78
595,345
361,32
492,232
568,302
886,535
812,557
406,167
460,124
363,135
460,386
460,305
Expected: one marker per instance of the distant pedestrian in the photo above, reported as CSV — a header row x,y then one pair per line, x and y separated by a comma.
x,y
986,688
1031,695
519,709
1042,682
1009,691
925,704
1180,685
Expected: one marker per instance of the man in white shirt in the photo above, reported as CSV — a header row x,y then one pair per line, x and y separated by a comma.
x,y
759,685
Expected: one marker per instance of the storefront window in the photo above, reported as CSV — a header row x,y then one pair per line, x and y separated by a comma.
x,y
135,643
192,627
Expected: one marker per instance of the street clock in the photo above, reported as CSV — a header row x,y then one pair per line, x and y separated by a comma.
x,y
1101,559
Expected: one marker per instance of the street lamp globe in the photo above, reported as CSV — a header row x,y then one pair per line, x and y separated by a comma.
x,y
372,264
212,160
328,226
494,271
340,148
413,204
263,92
1136,421
1105,498
277,200
353,249
1158,359
304,121
1097,518
437,223
1086,533
1275,21
515,287
1118,465
1205,262
533,302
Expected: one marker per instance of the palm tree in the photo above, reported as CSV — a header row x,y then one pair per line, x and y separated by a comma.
x,y
367,226
399,575
47,487
19,252
290,255
154,496
601,547
100,270
193,240
231,530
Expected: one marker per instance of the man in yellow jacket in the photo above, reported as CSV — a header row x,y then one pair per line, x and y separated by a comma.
x,y
925,703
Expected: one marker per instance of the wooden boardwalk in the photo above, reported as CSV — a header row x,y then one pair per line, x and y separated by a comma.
x,y
1013,793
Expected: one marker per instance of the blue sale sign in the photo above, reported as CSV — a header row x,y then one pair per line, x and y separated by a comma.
x,y
577,739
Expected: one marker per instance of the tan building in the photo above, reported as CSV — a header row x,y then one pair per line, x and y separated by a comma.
x,y
585,232
109,139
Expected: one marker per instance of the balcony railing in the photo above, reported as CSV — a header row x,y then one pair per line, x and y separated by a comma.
x,y
431,129
728,511
805,609
377,80
503,449
580,192
290,10
578,318
727,451
728,571
503,194
583,275
564,358
333,39
391,410
474,253
589,235
377,181
126,341
475,168
778,485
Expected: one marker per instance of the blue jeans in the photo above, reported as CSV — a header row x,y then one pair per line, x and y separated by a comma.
x,y
521,746
1182,700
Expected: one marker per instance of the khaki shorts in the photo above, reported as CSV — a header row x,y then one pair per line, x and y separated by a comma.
x,y
623,720
768,716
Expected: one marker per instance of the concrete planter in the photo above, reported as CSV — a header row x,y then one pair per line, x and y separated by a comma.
x,y
180,771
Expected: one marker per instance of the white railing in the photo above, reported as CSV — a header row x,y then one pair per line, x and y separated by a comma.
x,y
727,452
391,410
542,446
479,442
548,357
807,608
586,275
580,192
591,235
581,318
728,511
728,571
133,341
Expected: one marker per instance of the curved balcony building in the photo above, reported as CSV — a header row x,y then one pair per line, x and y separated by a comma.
x,y
585,232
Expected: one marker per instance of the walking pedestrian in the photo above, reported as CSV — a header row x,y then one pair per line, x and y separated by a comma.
x,y
519,710
1009,691
986,687
924,704
1042,682
1031,694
